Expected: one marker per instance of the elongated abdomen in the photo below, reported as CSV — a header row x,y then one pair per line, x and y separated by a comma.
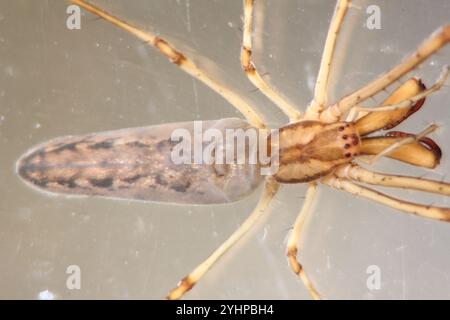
x,y
136,164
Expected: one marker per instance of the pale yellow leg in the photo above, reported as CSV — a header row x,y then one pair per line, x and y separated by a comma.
x,y
292,246
357,173
252,73
402,142
411,101
321,89
181,61
432,212
270,189
430,46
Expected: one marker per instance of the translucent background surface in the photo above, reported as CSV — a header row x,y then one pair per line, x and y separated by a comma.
x,y
55,82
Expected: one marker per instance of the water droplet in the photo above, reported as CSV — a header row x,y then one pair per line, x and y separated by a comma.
x,y
46,295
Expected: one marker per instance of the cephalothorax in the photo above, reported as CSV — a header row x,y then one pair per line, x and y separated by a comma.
x,y
320,146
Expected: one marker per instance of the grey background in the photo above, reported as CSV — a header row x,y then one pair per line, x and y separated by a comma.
x,y
55,82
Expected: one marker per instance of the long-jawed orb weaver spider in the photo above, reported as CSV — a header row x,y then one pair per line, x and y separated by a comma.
x,y
320,146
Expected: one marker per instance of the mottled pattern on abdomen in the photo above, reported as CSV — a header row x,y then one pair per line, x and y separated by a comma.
x,y
135,164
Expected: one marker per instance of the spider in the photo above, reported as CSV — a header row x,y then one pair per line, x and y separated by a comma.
x,y
318,147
